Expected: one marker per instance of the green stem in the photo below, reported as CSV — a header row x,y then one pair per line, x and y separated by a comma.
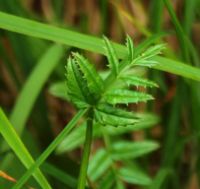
x,y
86,152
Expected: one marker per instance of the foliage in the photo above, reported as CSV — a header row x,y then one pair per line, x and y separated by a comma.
x,y
86,89
109,100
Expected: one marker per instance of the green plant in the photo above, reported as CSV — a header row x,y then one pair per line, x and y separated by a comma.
x,y
113,163
102,98
86,89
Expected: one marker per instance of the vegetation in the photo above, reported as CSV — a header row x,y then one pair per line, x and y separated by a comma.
x,y
99,125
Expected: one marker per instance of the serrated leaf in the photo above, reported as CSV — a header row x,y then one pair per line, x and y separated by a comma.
x,y
94,81
111,55
138,81
76,137
146,63
144,59
153,51
99,164
108,115
130,48
129,150
146,121
133,176
123,96
77,89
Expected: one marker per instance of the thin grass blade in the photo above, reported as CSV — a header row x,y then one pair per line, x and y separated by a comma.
x,y
91,43
49,149
13,140
33,86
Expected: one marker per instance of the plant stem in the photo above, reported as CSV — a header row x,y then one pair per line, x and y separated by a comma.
x,y
86,152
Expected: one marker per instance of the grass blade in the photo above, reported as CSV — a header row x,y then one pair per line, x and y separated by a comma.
x,y
177,68
11,137
180,33
36,81
94,44
189,15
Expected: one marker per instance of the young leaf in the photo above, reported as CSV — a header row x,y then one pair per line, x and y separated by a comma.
x,y
153,51
134,176
76,85
99,164
108,115
146,121
145,59
95,82
73,140
76,137
128,150
124,96
137,81
111,55
58,89
130,48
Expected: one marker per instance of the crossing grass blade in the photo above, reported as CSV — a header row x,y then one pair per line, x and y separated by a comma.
x,y
13,140
91,43
49,149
